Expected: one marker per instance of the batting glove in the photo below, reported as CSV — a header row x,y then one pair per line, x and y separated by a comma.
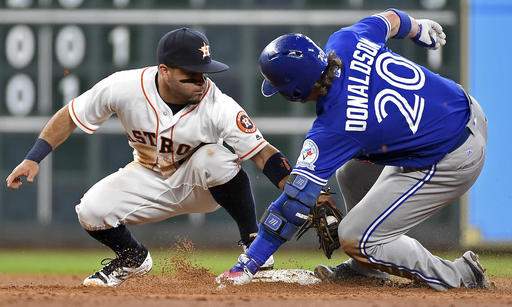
x,y
430,34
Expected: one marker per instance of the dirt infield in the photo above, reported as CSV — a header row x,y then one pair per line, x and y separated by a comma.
x,y
198,289
181,282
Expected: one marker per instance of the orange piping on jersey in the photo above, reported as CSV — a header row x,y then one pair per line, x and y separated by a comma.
x,y
81,124
154,110
255,147
172,128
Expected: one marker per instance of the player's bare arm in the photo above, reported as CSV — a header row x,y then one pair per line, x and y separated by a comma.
x,y
424,32
58,128
56,131
264,156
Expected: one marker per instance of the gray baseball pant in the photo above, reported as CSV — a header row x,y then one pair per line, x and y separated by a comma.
x,y
388,201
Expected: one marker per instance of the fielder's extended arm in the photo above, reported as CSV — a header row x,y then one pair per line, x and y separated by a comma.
x,y
56,131
273,164
58,128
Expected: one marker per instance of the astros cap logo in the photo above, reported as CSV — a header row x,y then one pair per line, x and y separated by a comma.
x,y
205,49
179,48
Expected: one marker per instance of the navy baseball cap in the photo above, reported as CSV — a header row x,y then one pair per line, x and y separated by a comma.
x,y
187,49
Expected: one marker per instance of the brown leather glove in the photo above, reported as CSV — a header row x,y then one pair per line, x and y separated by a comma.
x,y
325,218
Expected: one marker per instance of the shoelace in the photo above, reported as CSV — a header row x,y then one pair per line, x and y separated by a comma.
x,y
111,265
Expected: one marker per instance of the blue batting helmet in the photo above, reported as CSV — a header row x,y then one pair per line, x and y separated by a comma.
x,y
291,64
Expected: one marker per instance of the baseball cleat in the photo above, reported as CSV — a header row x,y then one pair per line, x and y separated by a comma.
x,y
241,273
236,278
473,261
115,272
268,265
324,272
339,273
343,272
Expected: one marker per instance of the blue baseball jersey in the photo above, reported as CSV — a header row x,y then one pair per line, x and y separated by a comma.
x,y
382,108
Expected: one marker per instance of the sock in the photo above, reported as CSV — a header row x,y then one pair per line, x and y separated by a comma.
x,y
236,197
121,241
264,246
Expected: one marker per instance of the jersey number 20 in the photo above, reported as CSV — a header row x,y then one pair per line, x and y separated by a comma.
x,y
412,113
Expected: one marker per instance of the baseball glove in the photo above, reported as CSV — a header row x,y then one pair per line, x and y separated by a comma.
x,y
325,218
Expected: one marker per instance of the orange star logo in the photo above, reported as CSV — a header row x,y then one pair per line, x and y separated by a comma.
x,y
205,49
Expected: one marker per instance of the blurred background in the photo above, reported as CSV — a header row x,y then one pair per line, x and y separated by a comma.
x,y
53,50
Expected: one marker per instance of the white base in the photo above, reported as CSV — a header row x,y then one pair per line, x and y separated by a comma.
x,y
291,276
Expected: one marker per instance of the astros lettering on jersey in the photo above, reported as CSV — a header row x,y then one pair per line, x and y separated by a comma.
x,y
161,139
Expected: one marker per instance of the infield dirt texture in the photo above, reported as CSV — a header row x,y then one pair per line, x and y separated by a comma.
x,y
179,282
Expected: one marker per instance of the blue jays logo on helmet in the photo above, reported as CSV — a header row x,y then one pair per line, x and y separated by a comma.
x,y
291,64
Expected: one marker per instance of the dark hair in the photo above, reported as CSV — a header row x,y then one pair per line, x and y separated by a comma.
x,y
324,83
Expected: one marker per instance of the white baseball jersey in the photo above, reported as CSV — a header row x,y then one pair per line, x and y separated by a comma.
x,y
162,140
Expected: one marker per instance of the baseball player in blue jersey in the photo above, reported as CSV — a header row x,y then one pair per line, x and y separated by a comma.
x,y
413,139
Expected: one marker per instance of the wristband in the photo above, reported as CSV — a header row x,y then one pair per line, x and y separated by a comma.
x,y
416,37
39,151
405,24
276,168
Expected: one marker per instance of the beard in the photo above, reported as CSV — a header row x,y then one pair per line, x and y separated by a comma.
x,y
193,101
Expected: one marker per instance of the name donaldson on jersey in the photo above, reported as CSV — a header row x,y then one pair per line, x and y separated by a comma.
x,y
358,82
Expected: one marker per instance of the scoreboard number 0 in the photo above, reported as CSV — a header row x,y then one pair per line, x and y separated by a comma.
x,y
20,46
70,46
69,51
20,95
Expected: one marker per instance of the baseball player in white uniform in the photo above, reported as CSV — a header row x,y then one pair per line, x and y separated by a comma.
x,y
176,120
